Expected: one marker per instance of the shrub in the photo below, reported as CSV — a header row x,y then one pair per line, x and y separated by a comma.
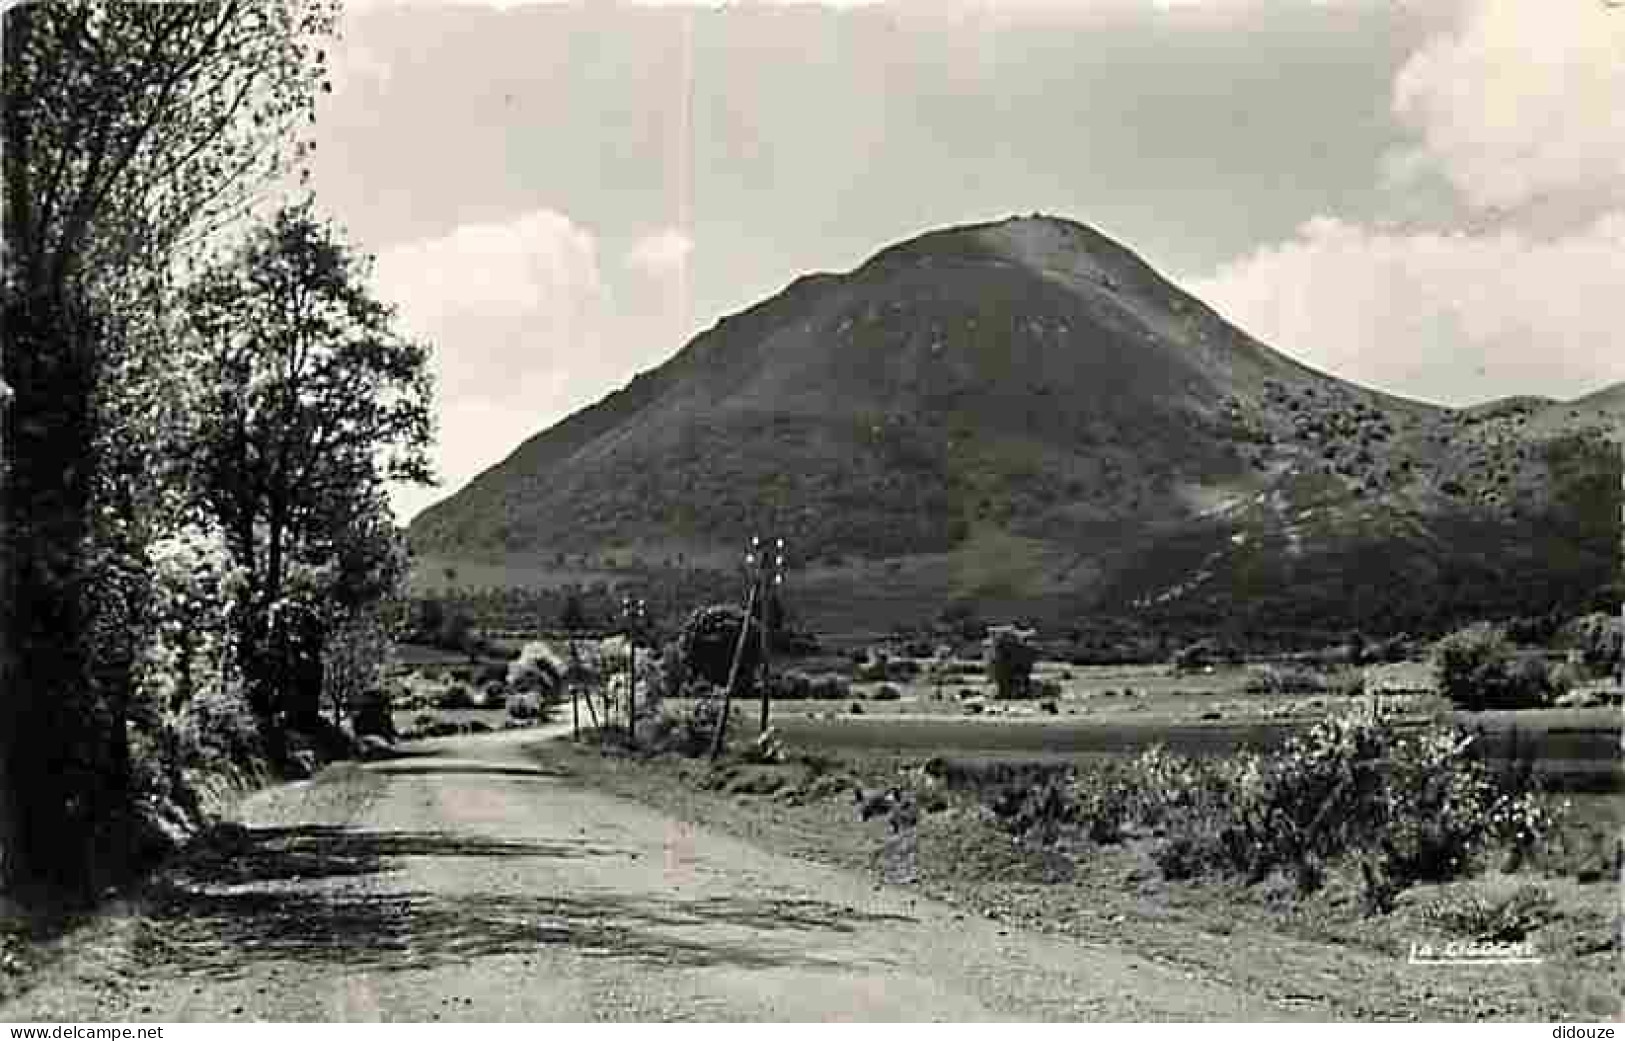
x,y
1105,806
709,639
1492,918
1191,851
1597,637
220,726
1476,669
1039,813
374,715
1409,808
830,687
1348,684
455,696
790,685
886,692
1284,679
1010,660
1390,650
538,669
1205,653
872,666
524,706
903,669
683,732
1563,678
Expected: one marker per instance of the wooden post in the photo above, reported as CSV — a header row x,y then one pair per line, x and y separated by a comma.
x,y
766,650
719,736
770,582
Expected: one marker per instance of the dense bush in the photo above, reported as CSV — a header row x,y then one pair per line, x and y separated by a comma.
x,y
524,707
790,685
373,715
1407,807
1049,690
1354,789
539,668
830,687
456,696
1476,669
684,732
1596,637
1010,660
709,640
885,692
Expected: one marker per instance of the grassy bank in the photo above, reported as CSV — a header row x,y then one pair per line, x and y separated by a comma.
x,y
947,828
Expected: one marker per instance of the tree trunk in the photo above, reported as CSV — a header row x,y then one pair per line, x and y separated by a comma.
x,y
66,764
10,675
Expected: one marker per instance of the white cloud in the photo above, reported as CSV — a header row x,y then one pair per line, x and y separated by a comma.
x,y
518,315
1520,109
1455,318
660,254
1520,100
541,264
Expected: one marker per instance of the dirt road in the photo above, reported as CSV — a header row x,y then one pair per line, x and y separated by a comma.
x,y
472,883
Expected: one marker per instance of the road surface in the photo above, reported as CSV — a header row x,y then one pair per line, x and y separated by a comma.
x,y
473,883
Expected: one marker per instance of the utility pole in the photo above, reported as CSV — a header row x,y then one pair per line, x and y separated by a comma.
x,y
754,563
719,736
765,570
635,613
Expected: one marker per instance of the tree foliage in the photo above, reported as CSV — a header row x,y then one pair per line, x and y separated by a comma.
x,y
1010,660
313,402
1477,669
130,131
708,641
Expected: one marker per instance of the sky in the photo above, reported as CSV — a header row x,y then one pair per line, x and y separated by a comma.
x,y
1425,197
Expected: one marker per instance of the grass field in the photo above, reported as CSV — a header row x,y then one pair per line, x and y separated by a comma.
x,y
1575,749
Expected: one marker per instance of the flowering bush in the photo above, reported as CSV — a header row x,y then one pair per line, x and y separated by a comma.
x,y
193,587
1407,807
539,668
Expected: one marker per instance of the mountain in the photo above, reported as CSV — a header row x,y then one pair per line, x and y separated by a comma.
x,y
1026,416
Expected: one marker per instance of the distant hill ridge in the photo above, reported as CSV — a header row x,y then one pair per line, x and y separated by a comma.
x,y
1026,414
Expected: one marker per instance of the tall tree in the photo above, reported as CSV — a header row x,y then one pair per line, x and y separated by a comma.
x,y
314,402
130,129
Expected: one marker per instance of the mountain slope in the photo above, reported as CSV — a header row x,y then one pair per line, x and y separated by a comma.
x,y
1026,414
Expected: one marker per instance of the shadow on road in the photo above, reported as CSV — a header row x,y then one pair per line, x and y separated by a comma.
x,y
313,852
256,905
419,766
